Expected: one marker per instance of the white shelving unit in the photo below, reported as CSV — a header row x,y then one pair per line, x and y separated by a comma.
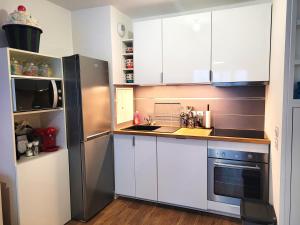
x,y
127,54
38,111
1,215
35,78
125,70
291,149
33,181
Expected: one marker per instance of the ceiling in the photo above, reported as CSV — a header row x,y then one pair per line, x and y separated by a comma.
x,y
146,8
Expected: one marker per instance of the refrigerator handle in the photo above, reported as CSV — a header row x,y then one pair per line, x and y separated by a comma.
x,y
93,136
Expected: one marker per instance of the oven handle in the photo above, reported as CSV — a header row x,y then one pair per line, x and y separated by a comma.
x,y
237,166
55,94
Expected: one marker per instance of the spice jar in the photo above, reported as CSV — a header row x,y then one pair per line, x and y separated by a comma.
x,y
35,148
29,150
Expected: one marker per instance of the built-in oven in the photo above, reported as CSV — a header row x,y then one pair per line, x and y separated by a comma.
x,y
36,94
236,175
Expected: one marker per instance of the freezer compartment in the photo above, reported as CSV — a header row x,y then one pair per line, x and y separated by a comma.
x,y
98,176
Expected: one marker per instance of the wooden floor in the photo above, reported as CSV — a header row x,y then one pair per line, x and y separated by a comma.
x,y
131,212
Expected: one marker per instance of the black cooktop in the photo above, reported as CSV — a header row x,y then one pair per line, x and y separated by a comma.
x,y
238,133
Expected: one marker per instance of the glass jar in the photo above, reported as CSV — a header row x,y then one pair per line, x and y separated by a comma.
x,y
30,69
44,70
16,68
129,77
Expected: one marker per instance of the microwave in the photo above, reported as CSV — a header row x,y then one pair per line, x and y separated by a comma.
x,y
35,94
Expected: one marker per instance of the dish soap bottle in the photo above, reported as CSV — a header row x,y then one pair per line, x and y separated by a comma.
x,y
136,118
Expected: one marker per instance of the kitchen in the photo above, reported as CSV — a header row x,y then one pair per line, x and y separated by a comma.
x,y
203,108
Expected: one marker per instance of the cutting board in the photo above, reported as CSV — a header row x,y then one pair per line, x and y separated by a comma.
x,y
193,132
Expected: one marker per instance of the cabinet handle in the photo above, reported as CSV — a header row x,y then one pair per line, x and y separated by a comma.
x,y
133,140
161,77
210,75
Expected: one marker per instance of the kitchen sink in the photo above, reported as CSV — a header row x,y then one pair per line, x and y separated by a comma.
x,y
142,127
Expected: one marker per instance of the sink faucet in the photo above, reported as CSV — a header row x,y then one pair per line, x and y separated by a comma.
x,y
149,121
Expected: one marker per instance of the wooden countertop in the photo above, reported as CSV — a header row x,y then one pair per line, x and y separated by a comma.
x,y
196,133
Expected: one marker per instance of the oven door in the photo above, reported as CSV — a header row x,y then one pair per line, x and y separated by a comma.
x,y
29,94
230,180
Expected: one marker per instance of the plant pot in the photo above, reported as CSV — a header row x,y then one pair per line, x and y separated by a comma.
x,y
23,37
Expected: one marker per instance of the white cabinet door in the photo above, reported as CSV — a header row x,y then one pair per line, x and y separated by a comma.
x,y
147,52
124,102
124,165
182,172
187,48
44,190
241,43
145,167
295,182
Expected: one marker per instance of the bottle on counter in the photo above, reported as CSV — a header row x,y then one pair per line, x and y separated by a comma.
x,y
136,118
207,118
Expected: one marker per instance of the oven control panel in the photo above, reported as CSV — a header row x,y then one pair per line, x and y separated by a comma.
x,y
238,155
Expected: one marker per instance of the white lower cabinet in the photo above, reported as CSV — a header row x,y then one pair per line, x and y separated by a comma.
x,y
135,166
44,191
145,167
124,165
182,172
167,170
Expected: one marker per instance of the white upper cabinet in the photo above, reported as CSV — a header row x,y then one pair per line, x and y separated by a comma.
x,y
148,52
241,43
187,48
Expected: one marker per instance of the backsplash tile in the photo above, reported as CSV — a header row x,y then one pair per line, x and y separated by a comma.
x,y
232,107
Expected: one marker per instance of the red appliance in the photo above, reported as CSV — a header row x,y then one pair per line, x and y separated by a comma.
x,y
48,138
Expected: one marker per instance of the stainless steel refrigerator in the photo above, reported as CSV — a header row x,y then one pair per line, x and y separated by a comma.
x,y
87,100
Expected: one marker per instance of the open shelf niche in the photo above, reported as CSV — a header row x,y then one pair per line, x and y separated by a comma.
x,y
23,57
42,120
128,73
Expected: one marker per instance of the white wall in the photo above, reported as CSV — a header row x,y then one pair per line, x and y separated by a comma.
x,y
95,35
55,21
91,32
275,104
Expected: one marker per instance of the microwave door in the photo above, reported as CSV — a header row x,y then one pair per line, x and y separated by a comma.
x,y
14,100
31,95
54,93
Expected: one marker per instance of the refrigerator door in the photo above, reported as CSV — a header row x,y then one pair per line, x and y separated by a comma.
x,y
95,97
98,186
